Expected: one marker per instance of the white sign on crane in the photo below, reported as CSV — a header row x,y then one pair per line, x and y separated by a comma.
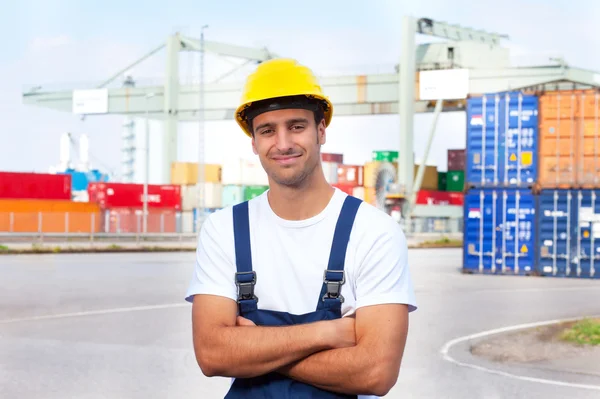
x,y
444,84
93,101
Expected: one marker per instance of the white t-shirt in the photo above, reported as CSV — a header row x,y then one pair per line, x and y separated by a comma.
x,y
289,258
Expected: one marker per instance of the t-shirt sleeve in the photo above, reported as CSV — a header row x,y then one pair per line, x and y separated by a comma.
x,y
383,275
214,270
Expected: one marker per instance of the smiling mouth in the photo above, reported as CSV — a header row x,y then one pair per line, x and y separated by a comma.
x,y
286,158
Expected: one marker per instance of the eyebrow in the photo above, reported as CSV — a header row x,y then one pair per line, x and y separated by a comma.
x,y
288,122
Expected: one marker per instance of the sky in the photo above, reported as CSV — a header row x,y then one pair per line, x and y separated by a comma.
x,y
65,44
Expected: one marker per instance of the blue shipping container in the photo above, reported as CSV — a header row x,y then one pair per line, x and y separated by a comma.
x,y
496,241
502,140
569,233
81,180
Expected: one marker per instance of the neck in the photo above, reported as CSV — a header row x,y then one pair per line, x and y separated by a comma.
x,y
304,202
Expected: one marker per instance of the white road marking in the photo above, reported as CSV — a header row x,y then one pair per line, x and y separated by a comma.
x,y
94,313
446,349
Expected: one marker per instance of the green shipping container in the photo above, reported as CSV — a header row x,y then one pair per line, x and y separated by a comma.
x,y
253,191
384,156
442,181
455,181
231,195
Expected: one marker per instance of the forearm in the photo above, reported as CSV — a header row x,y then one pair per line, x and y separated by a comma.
x,y
351,370
244,352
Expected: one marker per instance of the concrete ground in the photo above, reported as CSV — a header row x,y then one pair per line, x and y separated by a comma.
x,y
116,326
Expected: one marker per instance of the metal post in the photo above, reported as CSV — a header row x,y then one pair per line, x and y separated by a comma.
x,y
200,180
421,171
406,106
12,222
67,222
147,167
93,227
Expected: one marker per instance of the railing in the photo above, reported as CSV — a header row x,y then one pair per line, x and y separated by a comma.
x,y
157,226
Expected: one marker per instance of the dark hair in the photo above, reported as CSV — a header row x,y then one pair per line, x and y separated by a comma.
x,y
315,105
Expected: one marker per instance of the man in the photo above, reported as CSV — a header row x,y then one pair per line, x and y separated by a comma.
x,y
304,291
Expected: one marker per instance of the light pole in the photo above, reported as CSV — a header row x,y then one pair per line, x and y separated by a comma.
x,y
201,202
147,168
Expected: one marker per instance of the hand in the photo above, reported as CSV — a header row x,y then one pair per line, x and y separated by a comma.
x,y
344,332
243,322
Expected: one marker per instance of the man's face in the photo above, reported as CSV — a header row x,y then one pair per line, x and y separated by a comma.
x,y
288,144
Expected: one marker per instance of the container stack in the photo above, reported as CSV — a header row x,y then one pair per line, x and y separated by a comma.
x,y
379,173
242,181
185,174
330,164
122,206
533,174
455,177
41,203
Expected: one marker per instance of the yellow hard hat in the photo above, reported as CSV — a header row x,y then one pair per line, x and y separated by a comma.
x,y
277,78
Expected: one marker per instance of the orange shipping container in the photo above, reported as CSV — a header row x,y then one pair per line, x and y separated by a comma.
x,y
48,216
569,139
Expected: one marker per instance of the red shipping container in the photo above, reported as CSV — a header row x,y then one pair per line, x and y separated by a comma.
x,y
350,174
125,195
347,188
430,197
17,185
336,158
457,159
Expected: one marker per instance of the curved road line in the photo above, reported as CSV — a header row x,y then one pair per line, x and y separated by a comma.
x,y
94,312
446,349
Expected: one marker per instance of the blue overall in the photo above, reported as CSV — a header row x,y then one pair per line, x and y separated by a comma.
x,y
329,305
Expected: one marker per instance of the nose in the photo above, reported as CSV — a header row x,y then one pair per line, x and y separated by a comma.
x,y
283,139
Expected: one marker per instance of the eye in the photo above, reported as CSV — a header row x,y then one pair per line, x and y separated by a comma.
x,y
266,131
297,127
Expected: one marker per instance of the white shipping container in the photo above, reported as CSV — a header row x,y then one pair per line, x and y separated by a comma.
x,y
244,172
187,222
212,196
330,169
359,192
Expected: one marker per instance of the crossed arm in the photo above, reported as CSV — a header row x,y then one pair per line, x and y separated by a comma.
x,y
310,353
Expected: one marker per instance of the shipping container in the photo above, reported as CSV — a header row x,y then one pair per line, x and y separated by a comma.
x,y
130,220
232,195
358,192
385,156
18,185
442,181
369,195
251,192
186,173
190,198
126,195
569,139
330,170
457,159
430,177
430,197
569,233
335,158
386,172
350,175
81,180
455,181
502,140
496,240
347,188
48,216
244,172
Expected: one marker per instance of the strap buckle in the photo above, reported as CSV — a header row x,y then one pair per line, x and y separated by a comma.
x,y
246,289
334,288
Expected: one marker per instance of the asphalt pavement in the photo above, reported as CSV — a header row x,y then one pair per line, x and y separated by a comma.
x,y
116,326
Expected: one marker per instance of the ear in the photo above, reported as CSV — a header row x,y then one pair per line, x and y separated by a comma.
x,y
321,132
254,147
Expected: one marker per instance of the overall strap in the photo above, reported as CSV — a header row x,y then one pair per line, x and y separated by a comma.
x,y
245,278
334,276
